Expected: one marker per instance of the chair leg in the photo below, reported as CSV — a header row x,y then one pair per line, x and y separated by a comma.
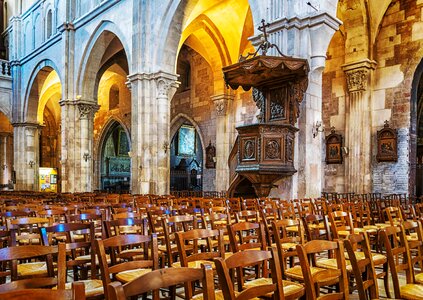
x,y
386,280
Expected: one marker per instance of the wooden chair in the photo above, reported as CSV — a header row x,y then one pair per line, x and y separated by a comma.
x,y
316,278
286,244
77,292
163,278
341,224
96,217
261,286
268,216
79,240
246,235
126,215
193,253
394,215
120,269
414,236
362,266
247,216
316,227
170,226
395,244
125,226
38,279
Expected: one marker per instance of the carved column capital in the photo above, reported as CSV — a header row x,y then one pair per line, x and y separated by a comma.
x,y
221,103
87,110
357,74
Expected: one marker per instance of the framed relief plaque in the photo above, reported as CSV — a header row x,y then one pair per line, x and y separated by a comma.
x,y
334,148
387,139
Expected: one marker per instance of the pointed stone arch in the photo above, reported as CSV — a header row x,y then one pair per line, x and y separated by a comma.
x,y
30,105
178,120
91,60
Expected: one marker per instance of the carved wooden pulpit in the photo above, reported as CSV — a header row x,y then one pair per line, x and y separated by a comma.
x,y
266,149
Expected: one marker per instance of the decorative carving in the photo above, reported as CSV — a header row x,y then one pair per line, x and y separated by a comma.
x,y
220,105
334,148
387,139
210,156
260,101
163,87
87,110
289,147
272,149
249,149
357,79
297,94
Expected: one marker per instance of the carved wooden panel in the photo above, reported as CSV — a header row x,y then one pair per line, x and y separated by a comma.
x,y
387,139
334,148
248,149
273,147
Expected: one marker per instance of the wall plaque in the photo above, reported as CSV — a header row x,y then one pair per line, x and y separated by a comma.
x,y
387,144
334,147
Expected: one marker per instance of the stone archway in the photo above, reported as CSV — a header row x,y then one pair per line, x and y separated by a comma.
x,y
37,139
114,158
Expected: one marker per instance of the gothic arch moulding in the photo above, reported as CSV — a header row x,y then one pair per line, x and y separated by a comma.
x,y
172,25
103,134
30,106
96,46
178,120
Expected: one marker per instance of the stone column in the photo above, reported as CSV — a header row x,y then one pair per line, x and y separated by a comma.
x,y
26,155
3,158
77,145
150,123
358,126
223,147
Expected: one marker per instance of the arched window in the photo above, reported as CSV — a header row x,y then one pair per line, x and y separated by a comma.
x,y
114,97
49,23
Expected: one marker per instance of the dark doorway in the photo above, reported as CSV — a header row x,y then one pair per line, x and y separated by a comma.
x,y
115,160
186,160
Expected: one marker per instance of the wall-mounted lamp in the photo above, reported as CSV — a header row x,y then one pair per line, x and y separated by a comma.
x,y
166,146
129,153
214,159
31,163
86,156
318,127
4,167
345,151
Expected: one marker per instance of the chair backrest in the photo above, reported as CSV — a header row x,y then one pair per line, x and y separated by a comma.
x,y
394,215
77,292
115,244
340,221
316,227
162,278
126,226
307,255
395,244
79,239
239,261
246,235
195,252
282,237
247,216
363,268
15,253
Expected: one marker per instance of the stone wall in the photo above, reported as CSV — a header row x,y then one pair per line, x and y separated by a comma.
x,y
397,51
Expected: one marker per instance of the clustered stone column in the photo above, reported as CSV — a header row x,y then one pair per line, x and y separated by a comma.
x,y
150,94
5,157
223,147
77,146
26,156
358,139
